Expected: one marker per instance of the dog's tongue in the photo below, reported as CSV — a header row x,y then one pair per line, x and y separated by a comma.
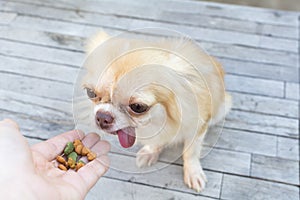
x,y
126,137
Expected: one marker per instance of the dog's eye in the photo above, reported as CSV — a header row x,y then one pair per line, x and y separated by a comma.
x,y
91,93
138,107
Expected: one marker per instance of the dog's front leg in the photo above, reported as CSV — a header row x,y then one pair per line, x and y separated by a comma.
x,y
194,176
148,155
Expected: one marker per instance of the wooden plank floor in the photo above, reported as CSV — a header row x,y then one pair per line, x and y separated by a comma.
x,y
257,155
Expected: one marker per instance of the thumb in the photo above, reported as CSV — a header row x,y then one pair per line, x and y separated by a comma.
x,y
13,146
9,123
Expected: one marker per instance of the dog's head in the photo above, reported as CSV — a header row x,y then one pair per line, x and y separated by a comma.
x,y
123,104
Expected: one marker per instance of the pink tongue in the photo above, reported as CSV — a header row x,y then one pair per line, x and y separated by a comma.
x,y
126,137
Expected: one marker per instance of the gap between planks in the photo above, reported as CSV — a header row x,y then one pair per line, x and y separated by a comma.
x,y
154,21
202,4
206,169
82,51
247,46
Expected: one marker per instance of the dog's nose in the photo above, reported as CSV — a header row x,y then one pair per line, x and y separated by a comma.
x,y
104,119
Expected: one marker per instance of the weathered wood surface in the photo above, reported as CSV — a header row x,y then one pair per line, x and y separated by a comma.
x,y
257,155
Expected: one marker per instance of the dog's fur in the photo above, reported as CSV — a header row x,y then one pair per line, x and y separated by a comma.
x,y
192,99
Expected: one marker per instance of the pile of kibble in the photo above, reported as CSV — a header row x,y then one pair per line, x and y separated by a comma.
x,y
73,152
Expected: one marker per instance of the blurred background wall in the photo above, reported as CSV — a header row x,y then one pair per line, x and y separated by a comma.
x,y
293,5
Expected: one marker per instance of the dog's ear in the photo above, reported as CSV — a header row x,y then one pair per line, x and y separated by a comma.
x,y
218,66
95,41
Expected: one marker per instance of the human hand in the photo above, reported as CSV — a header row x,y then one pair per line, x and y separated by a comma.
x,y
30,173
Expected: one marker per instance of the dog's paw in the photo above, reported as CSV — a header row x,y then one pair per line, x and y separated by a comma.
x,y
147,156
194,176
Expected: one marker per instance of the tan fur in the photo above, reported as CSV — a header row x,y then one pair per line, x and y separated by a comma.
x,y
95,40
206,81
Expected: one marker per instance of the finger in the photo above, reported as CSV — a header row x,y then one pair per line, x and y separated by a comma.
x,y
10,135
93,171
89,174
90,140
9,123
101,148
54,146
14,148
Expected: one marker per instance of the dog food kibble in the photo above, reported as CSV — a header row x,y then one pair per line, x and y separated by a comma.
x,y
80,161
91,156
69,148
73,152
62,167
77,142
85,151
73,155
72,158
71,163
78,148
61,160
79,165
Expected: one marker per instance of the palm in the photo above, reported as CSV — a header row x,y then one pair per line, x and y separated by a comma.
x,y
56,180
71,184
36,165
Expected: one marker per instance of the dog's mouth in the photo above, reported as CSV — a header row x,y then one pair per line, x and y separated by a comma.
x,y
126,136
